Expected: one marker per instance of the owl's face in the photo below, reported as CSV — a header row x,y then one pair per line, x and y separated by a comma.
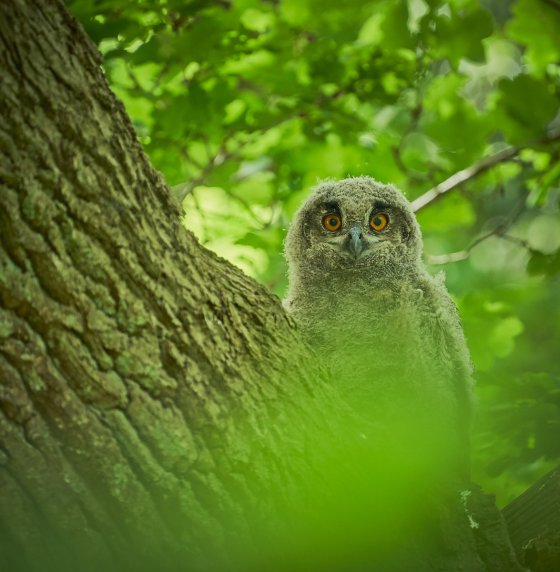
x,y
351,225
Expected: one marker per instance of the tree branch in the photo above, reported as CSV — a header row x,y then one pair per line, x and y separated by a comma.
x,y
464,175
533,521
473,171
500,230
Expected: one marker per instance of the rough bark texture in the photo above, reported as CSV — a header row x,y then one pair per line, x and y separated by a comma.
x,y
151,396
533,521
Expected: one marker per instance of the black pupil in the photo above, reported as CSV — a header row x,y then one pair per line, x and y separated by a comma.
x,y
377,221
333,221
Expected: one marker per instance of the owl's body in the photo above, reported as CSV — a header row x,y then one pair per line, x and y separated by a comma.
x,y
387,330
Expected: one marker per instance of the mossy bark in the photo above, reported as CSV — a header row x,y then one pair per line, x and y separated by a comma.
x,y
153,399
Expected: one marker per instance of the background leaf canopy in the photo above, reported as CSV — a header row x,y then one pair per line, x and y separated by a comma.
x,y
245,104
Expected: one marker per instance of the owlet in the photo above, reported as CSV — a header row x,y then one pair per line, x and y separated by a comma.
x,y
385,328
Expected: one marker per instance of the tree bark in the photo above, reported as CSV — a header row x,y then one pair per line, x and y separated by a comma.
x,y
155,403
533,521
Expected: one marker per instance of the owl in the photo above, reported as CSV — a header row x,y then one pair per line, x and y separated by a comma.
x,y
386,330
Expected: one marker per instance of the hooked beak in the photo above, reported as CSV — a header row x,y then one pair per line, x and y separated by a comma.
x,y
356,243
355,240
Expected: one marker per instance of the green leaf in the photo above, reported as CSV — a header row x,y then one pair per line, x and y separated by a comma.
x,y
502,336
460,36
450,213
528,105
540,263
256,189
536,25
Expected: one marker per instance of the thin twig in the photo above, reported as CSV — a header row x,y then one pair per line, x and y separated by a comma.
x,y
440,259
181,190
461,254
397,150
500,230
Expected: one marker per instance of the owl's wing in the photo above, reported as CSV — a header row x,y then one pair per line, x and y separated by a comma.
x,y
451,347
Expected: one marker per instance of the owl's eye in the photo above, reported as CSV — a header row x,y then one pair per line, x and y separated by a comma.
x,y
378,221
332,222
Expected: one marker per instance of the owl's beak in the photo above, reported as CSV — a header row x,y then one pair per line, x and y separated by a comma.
x,y
355,243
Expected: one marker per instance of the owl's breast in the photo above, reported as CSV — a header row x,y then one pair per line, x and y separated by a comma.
x,y
381,352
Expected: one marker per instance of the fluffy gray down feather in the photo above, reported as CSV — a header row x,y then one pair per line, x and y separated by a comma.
x,y
386,329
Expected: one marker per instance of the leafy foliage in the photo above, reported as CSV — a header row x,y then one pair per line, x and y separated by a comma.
x,y
245,104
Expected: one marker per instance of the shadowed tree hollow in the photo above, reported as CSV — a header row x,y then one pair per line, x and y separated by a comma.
x,y
157,407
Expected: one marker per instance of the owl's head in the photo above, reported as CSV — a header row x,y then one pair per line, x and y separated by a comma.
x,y
351,225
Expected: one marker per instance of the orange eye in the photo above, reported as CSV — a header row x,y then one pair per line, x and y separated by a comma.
x,y
332,222
378,221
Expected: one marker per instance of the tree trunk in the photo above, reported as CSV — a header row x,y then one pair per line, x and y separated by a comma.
x,y
533,521
154,402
